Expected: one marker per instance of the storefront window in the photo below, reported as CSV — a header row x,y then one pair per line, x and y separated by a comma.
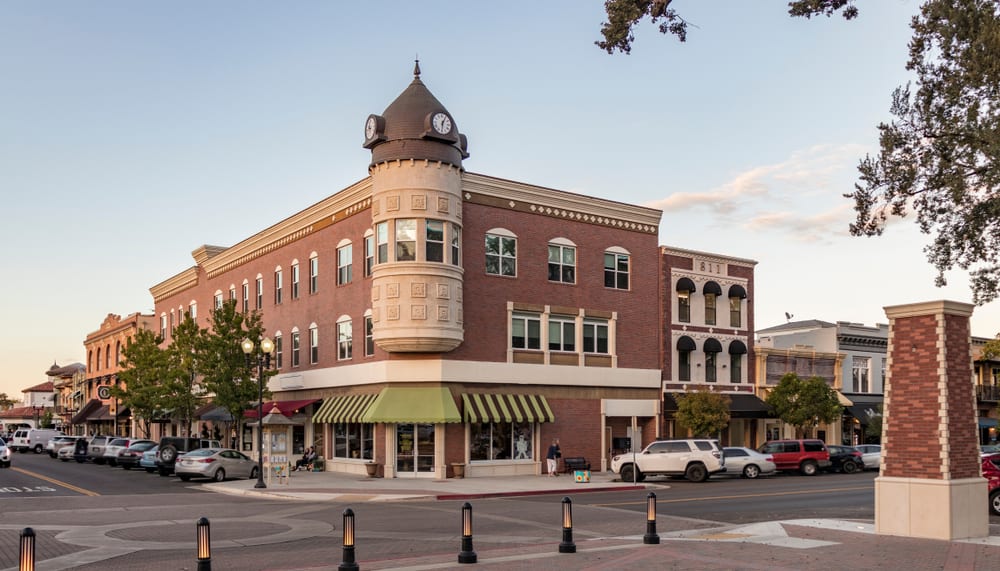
x,y
352,440
501,441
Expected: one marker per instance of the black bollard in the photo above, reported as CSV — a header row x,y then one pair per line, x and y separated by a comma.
x,y
27,562
467,555
567,545
204,545
348,563
651,538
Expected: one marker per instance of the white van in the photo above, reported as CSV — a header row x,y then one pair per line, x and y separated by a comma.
x,y
33,439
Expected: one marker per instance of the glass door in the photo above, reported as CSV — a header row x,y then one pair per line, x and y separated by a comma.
x,y
414,449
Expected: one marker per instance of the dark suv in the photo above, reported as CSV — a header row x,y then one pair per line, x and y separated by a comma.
x,y
173,446
807,456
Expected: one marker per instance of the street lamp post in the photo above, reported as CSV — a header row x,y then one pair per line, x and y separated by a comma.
x,y
38,410
263,354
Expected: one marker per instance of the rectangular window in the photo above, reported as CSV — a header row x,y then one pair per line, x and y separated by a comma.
x,y
313,345
353,440
735,315
163,327
684,365
406,240
595,337
684,306
456,245
345,341
232,294
501,441
313,275
295,348
709,309
382,240
246,297
883,373
859,369
260,293
218,301
193,311
434,244
501,255
616,270
279,287
562,264
369,254
710,372
369,337
345,262
278,353
735,368
526,332
295,281
562,335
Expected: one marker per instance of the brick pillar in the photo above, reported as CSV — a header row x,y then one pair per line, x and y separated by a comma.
x,y
930,484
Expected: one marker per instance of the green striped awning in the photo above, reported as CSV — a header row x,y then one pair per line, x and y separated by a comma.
x,y
346,408
506,408
413,404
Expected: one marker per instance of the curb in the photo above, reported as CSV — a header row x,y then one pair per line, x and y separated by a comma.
x,y
537,492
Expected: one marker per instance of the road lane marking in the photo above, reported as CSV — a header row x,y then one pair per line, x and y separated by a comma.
x,y
740,496
56,482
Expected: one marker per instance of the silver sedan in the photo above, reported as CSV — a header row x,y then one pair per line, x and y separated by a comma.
x,y
747,462
216,464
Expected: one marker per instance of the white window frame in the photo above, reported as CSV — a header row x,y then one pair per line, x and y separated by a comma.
x,y
345,263
501,236
614,272
561,247
345,338
313,344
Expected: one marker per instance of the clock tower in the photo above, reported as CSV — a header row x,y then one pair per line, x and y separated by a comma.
x,y
416,171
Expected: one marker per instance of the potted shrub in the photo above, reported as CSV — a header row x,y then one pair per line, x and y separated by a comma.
x,y
372,468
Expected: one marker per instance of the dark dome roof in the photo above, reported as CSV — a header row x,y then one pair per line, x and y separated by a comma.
x,y
407,132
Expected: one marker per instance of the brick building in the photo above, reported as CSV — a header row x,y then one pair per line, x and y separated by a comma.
x,y
427,316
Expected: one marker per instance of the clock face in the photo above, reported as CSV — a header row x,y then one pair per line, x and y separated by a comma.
x,y
441,123
370,128
104,392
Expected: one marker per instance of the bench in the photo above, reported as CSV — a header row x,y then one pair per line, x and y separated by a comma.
x,y
573,463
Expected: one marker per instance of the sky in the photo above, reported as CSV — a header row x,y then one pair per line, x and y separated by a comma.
x,y
131,133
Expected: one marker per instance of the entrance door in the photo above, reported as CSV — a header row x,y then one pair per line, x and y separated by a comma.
x,y
414,450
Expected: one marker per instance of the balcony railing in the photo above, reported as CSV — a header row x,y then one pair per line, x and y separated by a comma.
x,y
989,393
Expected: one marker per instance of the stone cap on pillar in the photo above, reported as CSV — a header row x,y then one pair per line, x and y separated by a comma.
x,y
942,306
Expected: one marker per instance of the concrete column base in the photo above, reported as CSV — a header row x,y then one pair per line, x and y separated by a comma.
x,y
932,509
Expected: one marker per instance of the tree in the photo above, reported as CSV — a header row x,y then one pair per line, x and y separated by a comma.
x,y
703,412
804,403
937,159
991,349
5,401
624,15
180,390
873,430
227,373
143,367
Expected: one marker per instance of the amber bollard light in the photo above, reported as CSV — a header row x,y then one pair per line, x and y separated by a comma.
x,y
567,545
204,545
348,563
27,562
467,555
651,538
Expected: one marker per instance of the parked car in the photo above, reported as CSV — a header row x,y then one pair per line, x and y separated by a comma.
x,y
871,454
5,454
116,446
695,459
129,458
216,464
172,446
33,439
991,471
95,448
66,453
807,456
148,460
80,449
56,444
846,459
747,462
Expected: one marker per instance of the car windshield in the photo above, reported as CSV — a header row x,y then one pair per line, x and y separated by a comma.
x,y
119,442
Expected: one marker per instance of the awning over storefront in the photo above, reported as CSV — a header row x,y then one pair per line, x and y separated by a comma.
x,y
344,408
862,406
413,404
748,406
737,347
685,343
987,422
287,408
712,345
101,414
506,408
85,412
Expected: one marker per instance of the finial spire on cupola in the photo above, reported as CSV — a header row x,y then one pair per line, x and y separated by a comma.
x,y
416,68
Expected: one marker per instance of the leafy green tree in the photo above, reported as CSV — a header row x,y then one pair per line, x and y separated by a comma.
x,y
227,373
181,391
143,368
5,401
804,403
873,430
46,420
703,413
991,349
624,15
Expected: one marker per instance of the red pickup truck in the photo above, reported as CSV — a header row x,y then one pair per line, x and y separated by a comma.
x,y
991,471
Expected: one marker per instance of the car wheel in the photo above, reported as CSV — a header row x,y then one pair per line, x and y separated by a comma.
x,y
184,477
751,471
850,467
220,475
809,468
99,461
253,473
628,473
168,453
65,459
696,473
80,460
52,454
994,501
39,448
